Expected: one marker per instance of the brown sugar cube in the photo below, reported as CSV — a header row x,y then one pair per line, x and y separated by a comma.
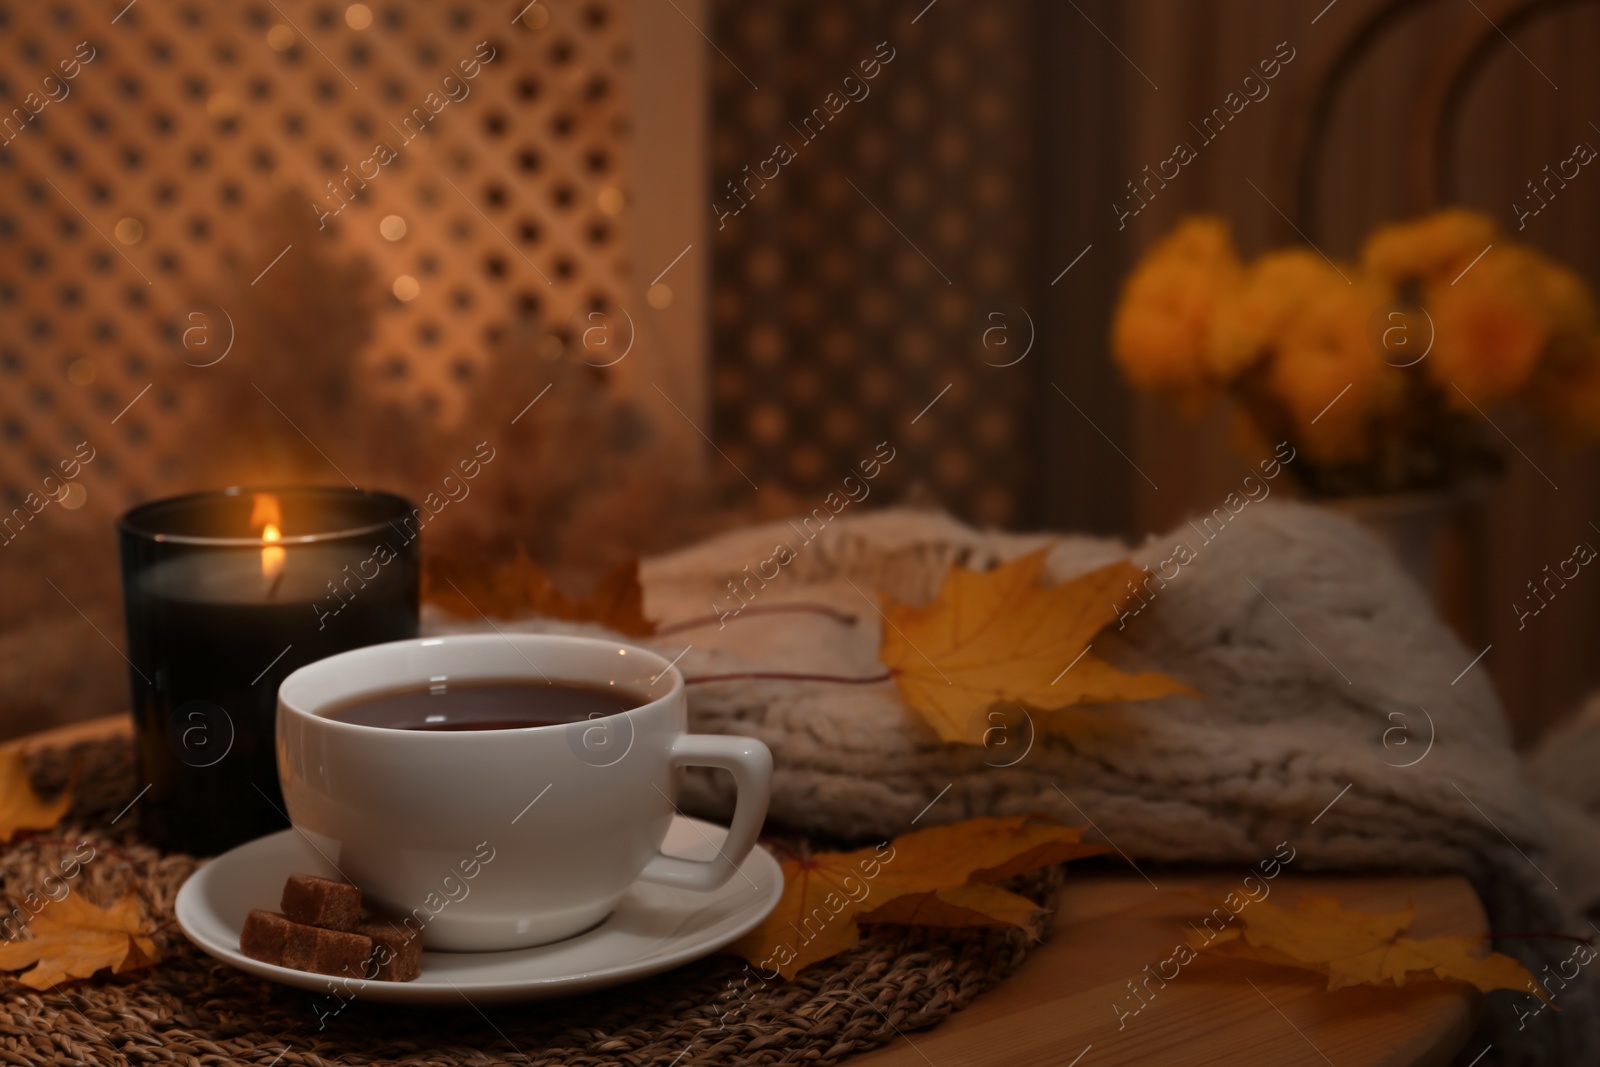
x,y
311,948
322,902
396,951
264,935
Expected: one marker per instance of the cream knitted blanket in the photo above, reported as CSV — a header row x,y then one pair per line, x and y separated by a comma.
x,y
1337,715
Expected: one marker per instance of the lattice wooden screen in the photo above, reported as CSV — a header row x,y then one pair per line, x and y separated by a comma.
x,y
857,284
148,192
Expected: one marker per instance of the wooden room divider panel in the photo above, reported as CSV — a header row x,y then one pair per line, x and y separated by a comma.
x,y
873,180
413,183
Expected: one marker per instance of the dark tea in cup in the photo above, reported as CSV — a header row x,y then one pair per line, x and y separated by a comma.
x,y
485,704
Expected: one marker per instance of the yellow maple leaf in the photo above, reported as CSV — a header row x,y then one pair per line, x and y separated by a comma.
x,y
72,938
973,904
20,806
941,876
1452,958
998,635
1359,948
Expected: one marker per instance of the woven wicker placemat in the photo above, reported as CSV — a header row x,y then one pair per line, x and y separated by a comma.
x,y
190,1008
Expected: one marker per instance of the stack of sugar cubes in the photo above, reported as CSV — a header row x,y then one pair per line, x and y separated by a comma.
x,y
322,930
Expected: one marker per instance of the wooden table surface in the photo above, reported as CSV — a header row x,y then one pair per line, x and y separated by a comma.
x,y
1058,1010
1059,1003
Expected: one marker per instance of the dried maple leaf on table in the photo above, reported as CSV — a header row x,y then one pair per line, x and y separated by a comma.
x,y
20,806
941,876
618,601
998,635
972,904
521,587
72,938
1357,947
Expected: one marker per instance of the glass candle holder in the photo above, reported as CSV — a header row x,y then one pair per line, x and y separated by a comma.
x,y
225,594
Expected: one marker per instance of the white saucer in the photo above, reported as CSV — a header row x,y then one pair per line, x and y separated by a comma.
x,y
653,929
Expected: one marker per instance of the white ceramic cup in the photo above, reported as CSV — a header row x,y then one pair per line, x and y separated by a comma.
x,y
501,839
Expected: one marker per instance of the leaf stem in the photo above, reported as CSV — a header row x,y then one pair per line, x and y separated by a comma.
x,y
767,609
786,676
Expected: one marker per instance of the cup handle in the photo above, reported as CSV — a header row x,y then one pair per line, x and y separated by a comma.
x,y
750,763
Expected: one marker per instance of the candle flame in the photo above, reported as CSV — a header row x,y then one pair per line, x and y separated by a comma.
x,y
266,514
271,555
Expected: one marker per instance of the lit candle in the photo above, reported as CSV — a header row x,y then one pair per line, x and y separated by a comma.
x,y
225,594
266,512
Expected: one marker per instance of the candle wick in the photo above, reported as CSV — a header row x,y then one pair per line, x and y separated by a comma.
x,y
272,590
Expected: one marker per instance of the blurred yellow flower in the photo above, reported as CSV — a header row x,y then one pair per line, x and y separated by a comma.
x,y
1301,345
1326,350
1434,248
1248,321
1568,392
1564,297
1493,325
1163,319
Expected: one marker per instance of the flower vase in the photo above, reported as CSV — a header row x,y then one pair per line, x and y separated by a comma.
x,y
1440,539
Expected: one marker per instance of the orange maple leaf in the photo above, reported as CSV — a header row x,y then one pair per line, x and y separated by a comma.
x,y
20,806
72,938
973,904
521,587
1359,948
998,635
941,876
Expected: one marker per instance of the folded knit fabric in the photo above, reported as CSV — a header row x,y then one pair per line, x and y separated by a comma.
x,y
1334,715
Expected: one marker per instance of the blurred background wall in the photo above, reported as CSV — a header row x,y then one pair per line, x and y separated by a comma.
x,y
932,262
1001,143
